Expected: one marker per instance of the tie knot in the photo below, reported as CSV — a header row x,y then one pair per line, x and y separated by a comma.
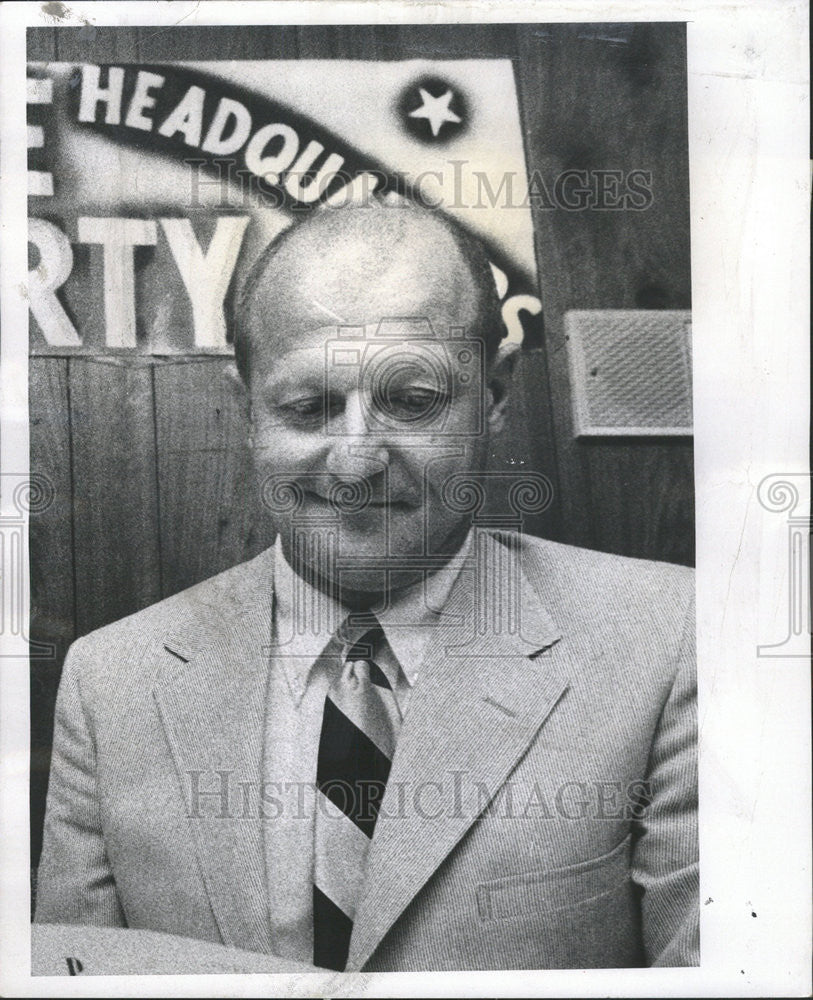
x,y
363,639
362,671
362,636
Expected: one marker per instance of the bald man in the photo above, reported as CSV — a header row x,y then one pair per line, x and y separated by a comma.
x,y
394,740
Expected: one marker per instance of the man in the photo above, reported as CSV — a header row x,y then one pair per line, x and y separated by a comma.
x,y
396,740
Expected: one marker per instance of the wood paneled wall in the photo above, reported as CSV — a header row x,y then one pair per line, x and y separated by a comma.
x,y
153,483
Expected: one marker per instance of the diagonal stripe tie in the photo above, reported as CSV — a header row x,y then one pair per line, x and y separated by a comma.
x,y
356,746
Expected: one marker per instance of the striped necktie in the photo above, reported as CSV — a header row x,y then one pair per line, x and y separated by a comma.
x,y
359,729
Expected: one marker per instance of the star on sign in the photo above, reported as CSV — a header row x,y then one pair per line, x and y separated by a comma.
x,y
436,110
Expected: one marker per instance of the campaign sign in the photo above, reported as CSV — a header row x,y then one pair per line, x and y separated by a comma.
x,y
153,188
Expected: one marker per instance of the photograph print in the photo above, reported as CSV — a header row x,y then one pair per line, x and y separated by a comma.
x,y
362,601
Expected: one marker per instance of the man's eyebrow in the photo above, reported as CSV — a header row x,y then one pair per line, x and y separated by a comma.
x,y
288,374
278,380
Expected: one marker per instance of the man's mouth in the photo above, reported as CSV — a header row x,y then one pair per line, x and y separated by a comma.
x,y
397,505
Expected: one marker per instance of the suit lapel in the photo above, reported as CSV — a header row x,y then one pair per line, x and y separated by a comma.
x,y
212,700
477,705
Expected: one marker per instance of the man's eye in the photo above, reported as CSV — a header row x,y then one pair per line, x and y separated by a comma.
x,y
417,402
306,410
306,407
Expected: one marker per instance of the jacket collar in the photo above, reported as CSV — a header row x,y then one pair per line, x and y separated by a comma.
x,y
211,698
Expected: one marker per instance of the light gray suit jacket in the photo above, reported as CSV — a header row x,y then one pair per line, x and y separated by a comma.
x,y
554,748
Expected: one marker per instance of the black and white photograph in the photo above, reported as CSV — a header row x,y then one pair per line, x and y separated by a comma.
x,y
369,413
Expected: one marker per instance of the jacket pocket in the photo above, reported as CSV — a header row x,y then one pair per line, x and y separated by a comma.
x,y
555,889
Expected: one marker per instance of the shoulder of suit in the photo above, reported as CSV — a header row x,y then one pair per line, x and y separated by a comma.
x,y
220,598
567,574
542,552
632,620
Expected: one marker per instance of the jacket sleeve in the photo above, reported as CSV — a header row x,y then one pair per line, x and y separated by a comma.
x,y
665,856
75,882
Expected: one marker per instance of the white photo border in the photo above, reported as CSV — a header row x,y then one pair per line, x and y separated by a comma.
x,y
748,79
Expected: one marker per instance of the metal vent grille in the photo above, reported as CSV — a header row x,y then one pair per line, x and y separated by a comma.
x,y
631,371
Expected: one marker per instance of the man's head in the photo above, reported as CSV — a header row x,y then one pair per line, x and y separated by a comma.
x,y
367,340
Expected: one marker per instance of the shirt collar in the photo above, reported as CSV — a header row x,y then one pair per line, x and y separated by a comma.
x,y
409,621
306,620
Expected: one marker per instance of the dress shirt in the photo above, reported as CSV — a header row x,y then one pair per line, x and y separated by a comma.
x,y
304,655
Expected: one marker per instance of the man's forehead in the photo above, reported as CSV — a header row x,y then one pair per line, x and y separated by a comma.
x,y
356,272
333,342
290,326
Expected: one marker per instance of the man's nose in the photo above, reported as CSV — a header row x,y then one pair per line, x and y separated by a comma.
x,y
356,448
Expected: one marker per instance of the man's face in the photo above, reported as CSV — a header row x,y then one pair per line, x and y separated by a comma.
x,y
367,426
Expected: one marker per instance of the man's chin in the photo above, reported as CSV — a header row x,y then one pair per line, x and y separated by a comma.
x,y
365,559
361,575
355,585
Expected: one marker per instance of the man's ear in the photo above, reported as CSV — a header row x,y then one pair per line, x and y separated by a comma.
x,y
500,373
238,390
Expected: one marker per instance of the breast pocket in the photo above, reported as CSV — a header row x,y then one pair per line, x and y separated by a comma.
x,y
555,889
